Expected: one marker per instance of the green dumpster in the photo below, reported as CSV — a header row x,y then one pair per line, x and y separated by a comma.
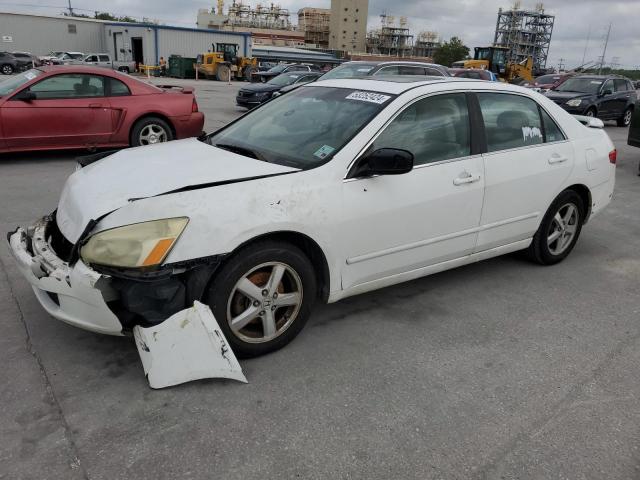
x,y
181,67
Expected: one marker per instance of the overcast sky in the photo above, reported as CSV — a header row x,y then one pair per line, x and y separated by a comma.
x,y
473,20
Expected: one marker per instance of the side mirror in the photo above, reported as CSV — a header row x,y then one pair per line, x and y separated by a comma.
x,y
384,161
25,96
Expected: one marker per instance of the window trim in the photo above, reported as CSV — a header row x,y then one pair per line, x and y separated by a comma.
x,y
351,167
108,89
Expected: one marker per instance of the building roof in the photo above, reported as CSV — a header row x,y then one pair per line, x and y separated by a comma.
x,y
289,54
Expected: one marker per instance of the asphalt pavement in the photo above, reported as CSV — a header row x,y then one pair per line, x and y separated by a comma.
x,y
499,370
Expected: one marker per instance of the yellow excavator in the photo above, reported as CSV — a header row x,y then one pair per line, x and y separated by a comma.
x,y
495,60
223,63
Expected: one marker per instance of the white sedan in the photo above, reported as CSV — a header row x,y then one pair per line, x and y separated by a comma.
x,y
338,188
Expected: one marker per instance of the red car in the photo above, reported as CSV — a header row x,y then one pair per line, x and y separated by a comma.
x,y
61,107
549,81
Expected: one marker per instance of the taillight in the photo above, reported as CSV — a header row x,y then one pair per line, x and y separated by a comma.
x,y
613,156
194,106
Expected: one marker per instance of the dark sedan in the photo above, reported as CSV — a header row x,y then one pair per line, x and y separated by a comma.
x,y
608,97
256,93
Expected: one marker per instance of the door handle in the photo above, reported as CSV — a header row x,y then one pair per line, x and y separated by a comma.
x,y
555,158
95,105
464,179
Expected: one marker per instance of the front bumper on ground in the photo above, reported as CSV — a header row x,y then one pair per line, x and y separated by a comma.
x,y
247,102
76,295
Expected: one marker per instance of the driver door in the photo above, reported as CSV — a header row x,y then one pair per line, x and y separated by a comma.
x,y
70,110
399,224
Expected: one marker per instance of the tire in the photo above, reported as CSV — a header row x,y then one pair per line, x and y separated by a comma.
x,y
625,120
566,229
124,69
222,73
591,112
154,129
248,73
250,270
7,69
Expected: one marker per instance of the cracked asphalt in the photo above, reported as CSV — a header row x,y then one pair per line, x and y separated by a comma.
x,y
498,370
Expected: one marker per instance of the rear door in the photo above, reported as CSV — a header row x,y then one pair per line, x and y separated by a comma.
x,y
69,110
623,95
104,61
528,161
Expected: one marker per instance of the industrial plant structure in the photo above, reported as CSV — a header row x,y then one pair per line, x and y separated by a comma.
x,y
397,40
526,33
315,22
348,25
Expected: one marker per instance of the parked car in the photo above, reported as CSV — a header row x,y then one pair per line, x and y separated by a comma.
x,y
104,60
474,73
608,97
67,58
338,188
357,69
10,64
255,94
28,58
265,76
51,58
59,107
634,130
550,81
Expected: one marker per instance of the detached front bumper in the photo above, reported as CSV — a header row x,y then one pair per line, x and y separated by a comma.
x,y
76,295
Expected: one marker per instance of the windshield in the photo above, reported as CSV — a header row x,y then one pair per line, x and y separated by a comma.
x,y
349,70
302,129
284,79
581,85
9,86
277,68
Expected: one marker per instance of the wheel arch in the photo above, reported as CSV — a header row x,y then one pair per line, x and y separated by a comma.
x,y
159,115
585,194
305,243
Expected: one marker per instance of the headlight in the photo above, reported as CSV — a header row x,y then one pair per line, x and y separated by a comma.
x,y
574,103
139,245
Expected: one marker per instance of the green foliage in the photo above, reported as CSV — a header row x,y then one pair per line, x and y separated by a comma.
x,y
450,52
632,74
115,18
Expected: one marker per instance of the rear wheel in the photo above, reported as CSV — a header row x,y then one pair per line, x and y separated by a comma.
x,y
262,297
149,131
6,69
559,229
222,73
124,69
625,120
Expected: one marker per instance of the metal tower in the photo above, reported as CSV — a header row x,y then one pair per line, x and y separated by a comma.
x,y
525,33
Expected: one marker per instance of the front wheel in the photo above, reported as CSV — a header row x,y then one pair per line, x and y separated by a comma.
x,y
591,112
625,120
6,69
223,73
262,297
559,229
149,131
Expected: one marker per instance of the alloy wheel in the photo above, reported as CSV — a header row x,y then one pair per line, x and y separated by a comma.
x,y
264,302
627,117
563,228
152,134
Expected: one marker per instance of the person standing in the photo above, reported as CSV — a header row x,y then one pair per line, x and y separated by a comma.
x,y
163,67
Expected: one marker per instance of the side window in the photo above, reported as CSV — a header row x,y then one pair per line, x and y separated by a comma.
x,y
621,85
392,70
608,86
69,86
433,129
118,88
552,132
91,58
104,58
511,121
407,70
434,72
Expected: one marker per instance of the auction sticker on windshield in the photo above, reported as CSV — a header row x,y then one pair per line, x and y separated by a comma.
x,y
368,97
324,151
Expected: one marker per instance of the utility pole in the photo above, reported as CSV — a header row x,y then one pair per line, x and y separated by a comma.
x,y
70,9
560,65
604,51
584,55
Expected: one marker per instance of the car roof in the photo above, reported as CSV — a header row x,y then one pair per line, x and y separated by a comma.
x,y
378,63
398,84
76,69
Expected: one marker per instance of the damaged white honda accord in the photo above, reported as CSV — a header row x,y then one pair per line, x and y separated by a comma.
x,y
338,188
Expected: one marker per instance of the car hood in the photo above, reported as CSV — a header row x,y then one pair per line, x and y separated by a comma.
x,y
260,87
555,95
129,175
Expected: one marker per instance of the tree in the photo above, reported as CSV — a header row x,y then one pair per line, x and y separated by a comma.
x,y
450,52
108,16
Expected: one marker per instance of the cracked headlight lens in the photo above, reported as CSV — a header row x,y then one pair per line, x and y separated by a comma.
x,y
574,103
139,245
